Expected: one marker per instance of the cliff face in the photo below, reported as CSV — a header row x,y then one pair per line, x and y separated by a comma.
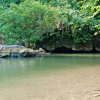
x,y
70,46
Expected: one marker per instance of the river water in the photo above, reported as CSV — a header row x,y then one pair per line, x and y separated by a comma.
x,y
52,77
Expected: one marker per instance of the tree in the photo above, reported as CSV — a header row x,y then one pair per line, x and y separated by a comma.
x,y
28,21
91,9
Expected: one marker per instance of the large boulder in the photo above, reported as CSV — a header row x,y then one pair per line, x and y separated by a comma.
x,y
17,51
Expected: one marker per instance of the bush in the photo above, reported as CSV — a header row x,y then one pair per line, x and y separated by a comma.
x,y
50,20
28,21
75,25
6,3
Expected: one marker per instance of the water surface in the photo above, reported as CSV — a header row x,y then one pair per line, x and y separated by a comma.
x,y
60,71
18,67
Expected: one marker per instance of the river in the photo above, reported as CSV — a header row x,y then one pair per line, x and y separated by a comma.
x,y
51,77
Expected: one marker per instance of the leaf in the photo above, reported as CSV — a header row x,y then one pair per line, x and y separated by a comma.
x,y
95,33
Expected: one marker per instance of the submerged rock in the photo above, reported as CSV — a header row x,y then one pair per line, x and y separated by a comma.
x,y
17,51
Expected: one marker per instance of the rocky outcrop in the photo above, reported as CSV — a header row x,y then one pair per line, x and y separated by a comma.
x,y
97,43
68,45
86,47
17,51
57,44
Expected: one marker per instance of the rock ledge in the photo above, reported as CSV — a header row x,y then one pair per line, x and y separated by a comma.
x,y
17,51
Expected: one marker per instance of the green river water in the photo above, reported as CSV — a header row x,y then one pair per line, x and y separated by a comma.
x,y
12,68
51,77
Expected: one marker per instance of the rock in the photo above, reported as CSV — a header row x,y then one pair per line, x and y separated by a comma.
x,y
17,51
69,45
77,47
97,43
4,55
17,43
88,46
38,55
52,46
82,47
48,47
41,50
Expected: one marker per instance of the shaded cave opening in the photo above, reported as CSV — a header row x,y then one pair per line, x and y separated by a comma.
x,y
62,50
69,50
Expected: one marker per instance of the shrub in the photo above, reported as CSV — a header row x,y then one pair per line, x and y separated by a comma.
x,y
28,21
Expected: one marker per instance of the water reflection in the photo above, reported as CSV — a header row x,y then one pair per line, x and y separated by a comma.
x,y
10,68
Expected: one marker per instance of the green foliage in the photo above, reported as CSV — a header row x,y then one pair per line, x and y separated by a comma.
x,y
49,20
6,3
28,22
75,25
91,9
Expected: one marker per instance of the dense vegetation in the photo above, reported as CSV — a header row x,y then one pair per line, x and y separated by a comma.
x,y
32,21
6,3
